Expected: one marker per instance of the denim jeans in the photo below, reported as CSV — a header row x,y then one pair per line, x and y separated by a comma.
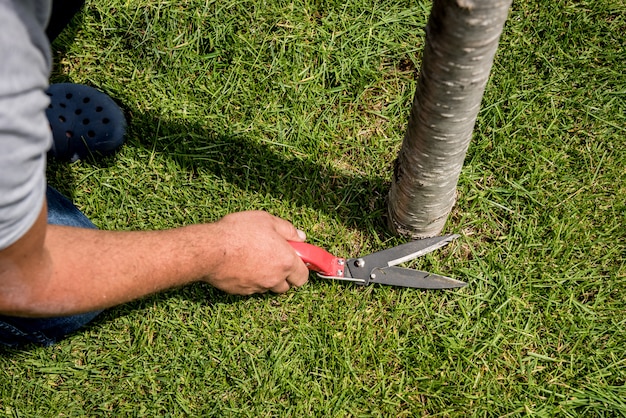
x,y
14,331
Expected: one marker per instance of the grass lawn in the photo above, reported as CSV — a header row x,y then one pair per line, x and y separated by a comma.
x,y
299,108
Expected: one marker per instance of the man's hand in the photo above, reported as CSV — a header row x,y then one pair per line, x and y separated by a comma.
x,y
255,256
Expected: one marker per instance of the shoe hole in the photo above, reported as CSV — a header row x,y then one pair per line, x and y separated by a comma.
x,y
85,121
62,105
68,96
105,120
49,94
69,134
99,109
78,111
50,106
61,118
91,134
86,100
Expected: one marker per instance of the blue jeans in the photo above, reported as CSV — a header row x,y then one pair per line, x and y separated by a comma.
x,y
15,332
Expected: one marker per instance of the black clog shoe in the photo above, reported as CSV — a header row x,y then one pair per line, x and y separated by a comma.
x,y
85,122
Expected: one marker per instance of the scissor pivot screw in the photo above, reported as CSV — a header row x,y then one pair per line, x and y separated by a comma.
x,y
339,272
359,262
372,276
341,261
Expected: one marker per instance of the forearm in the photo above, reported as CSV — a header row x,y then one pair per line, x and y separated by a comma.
x,y
83,270
105,268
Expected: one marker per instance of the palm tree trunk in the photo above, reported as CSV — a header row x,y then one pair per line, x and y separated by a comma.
x,y
461,40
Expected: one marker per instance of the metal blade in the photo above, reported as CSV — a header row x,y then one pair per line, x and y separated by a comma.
x,y
361,268
398,276
414,249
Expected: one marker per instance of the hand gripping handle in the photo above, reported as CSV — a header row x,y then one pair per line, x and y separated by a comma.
x,y
319,260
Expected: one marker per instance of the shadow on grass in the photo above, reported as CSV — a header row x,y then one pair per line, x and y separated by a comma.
x,y
267,169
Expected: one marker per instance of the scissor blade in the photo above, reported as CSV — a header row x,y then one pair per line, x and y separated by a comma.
x,y
398,276
409,251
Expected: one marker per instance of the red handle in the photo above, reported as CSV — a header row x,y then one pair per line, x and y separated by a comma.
x,y
319,260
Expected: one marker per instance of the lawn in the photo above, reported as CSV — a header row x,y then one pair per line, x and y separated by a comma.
x,y
299,108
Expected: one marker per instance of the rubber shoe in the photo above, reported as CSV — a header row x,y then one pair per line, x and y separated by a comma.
x,y
85,122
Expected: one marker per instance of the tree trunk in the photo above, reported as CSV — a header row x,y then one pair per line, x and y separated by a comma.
x,y
461,40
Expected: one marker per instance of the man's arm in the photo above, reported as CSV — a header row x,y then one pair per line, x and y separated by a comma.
x,y
50,270
56,270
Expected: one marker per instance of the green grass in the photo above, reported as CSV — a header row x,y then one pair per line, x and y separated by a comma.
x,y
299,108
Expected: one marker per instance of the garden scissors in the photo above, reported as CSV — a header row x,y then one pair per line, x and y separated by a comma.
x,y
379,267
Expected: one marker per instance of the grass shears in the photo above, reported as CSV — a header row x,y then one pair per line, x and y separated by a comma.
x,y
379,267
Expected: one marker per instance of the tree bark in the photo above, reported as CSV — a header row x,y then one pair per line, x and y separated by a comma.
x,y
461,41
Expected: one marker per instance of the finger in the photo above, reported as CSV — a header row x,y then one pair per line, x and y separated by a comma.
x,y
288,231
281,287
300,276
